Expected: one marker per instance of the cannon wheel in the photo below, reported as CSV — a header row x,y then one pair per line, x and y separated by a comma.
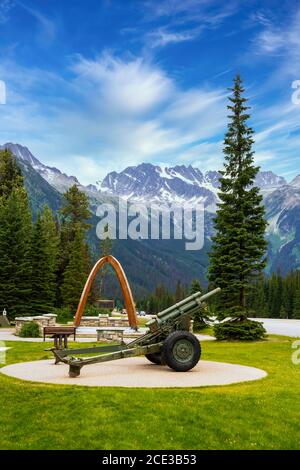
x,y
155,358
181,351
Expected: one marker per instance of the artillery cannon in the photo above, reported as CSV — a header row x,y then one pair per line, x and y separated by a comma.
x,y
166,341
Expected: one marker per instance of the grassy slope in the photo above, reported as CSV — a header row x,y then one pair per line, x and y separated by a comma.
x,y
258,415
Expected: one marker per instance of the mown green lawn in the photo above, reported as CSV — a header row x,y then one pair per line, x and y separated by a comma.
x,y
257,415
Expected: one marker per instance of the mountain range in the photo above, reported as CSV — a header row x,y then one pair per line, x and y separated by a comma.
x,y
166,260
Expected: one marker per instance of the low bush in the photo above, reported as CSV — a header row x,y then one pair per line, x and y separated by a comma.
x,y
30,330
64,314
239,329
92,311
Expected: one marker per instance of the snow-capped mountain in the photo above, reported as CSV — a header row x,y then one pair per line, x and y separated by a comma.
x,y
283,231
295,182
52,175
176,184
268,182
268,179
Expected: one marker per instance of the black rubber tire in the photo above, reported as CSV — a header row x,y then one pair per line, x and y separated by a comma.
x,y
155,358
190,347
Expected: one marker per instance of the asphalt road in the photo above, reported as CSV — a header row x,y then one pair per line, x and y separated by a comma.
x,y
281,327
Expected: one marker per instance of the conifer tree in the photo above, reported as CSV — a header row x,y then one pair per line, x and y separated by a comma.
x,y
44,258
10,174
75,209
296,309
15,238
195,286
76,271
75,213
50,228
15,244
179,292
42,300
238,250
282,312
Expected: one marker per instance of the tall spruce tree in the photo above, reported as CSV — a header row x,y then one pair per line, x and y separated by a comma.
x,y
75,209
10,174
44,258
51,232
75,214
76,270
15,239
42,299
238,249
179,292
15,244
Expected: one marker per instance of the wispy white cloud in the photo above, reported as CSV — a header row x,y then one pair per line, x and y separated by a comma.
x,y
184,20
118,113
278,140
161,36
142,113
167,8
276,39
5,8
47,28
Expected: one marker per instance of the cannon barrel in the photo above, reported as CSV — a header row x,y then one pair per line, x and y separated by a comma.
x,y
204,297
193,299
185,307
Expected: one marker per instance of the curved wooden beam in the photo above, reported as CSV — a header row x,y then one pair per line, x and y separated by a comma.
x,y
123,281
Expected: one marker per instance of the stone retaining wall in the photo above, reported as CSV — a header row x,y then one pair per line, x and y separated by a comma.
x,y
104,320
48,319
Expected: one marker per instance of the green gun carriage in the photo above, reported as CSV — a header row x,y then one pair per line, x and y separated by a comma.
x,y
167,340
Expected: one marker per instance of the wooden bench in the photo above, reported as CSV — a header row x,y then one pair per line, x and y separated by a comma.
x,y
60,334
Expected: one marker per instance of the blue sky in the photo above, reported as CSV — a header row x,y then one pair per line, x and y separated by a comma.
x,y
98,85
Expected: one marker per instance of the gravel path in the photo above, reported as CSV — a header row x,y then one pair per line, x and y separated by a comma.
x,y
134,372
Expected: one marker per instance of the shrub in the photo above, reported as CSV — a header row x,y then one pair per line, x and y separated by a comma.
x,y
92,311
105,311
64,314
30,330
239,329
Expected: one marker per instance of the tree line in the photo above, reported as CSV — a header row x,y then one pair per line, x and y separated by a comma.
x,y
276,296
273,296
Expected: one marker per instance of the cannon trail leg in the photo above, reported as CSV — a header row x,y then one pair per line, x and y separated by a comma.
x,y
74,370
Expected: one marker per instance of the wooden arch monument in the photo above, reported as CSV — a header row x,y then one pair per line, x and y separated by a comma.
x,y
123,281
